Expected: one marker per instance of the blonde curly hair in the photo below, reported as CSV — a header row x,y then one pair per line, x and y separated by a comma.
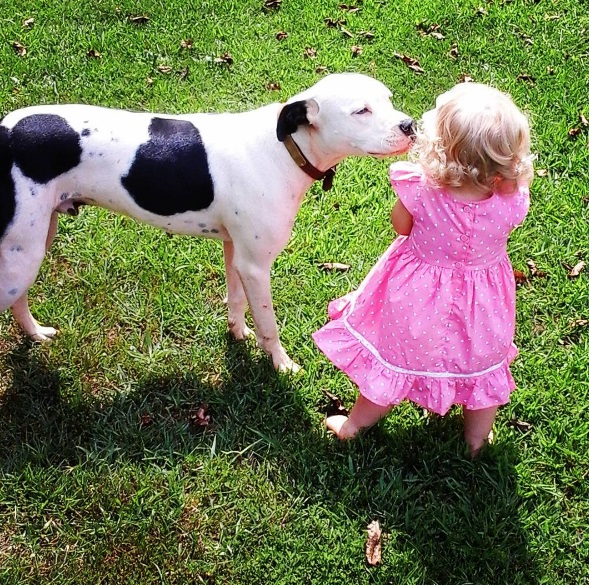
x,y
475,138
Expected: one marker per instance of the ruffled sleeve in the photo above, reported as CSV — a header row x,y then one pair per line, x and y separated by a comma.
x,y
405,179
521,206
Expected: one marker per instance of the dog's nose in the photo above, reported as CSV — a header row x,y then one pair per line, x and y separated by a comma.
x,y
407,127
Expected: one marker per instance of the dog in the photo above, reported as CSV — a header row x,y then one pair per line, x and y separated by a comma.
x,y
235,177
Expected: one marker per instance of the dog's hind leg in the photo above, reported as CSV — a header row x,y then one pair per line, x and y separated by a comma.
x,y
236,299
20,308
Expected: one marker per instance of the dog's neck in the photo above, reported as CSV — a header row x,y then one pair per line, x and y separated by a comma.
x,y
306,166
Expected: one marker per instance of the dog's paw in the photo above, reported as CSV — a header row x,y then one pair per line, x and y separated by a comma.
x,y
44,334
288,367
241,333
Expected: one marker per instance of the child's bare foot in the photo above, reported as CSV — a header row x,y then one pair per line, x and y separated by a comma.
x,y
340,426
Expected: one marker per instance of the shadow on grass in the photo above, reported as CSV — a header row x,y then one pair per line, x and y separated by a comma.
x,y
447,519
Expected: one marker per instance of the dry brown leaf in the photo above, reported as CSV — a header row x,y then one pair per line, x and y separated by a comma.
x,y
369,36
356,50
149,81
94,54
331,23
583,120
186,44
576,269
520,277
520,425
281,35
349,8
373,543
335,406
534,272
573,132
321,69
165,69
412,63
464,78
273,86
28,23
225,58
19,48
335,266
526,77
199,417
346,32
481,11
272,4
139,19
183,74
542,172
310,53
145,420
453,52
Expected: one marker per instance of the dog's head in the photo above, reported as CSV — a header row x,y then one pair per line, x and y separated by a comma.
x,y
348,114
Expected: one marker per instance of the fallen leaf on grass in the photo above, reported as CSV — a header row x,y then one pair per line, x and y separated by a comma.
x,y
534,272
583,120
93,54
573,132
412,63
28,23
310,53
146,420
225,58
199,418
139,19
369,36
272,86
281,35
520,425
349,8
331,23
321,69
453,52
165,69
464,78
373,543
19,48
335,266
526,77
430,30
335,405
542,172
186,44
520,277
356,50
576,269
272,4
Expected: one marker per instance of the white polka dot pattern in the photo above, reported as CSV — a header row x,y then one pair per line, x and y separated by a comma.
x,y
434,319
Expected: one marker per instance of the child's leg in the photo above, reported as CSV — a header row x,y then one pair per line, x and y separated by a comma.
x,y
364,414
477,427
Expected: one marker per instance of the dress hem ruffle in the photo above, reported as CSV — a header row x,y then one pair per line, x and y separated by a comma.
x,y
387,386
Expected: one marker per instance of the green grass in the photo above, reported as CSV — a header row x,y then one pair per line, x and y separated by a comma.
x,y
106,478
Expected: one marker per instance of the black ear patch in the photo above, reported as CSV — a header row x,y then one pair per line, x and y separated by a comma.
x,y
45,146
7,195
291,117
170,172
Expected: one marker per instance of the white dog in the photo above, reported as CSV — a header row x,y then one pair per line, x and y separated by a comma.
x,y
239,178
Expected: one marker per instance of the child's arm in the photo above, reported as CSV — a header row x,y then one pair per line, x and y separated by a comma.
x,y
401,219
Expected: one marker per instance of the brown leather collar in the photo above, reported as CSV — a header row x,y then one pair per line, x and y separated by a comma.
x,y
304,164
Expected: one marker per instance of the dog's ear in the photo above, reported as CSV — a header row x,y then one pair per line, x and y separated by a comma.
x,y
294,115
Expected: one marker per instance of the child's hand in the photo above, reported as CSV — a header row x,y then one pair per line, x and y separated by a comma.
x,y
401,219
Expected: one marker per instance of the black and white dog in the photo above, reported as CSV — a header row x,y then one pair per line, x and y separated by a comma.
x,y
239,178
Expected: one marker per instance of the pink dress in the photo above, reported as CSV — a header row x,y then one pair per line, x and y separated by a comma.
x,y
434,319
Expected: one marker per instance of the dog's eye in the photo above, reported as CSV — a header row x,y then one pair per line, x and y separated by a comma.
x,y
362,111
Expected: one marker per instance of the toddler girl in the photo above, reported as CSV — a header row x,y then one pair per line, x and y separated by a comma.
x,y
434,319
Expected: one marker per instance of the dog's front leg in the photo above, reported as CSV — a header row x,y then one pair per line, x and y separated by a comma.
x,y
236,299
256,283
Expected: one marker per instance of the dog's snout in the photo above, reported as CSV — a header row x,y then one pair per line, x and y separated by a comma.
x,y
408,127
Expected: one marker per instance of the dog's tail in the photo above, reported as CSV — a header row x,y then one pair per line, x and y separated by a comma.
x,y
7,196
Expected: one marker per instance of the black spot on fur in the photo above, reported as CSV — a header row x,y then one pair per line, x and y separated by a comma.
x,y
170,173
291,117
7,195
86,132
45,146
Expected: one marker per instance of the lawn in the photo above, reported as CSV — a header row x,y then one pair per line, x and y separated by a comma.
x,y
144,446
